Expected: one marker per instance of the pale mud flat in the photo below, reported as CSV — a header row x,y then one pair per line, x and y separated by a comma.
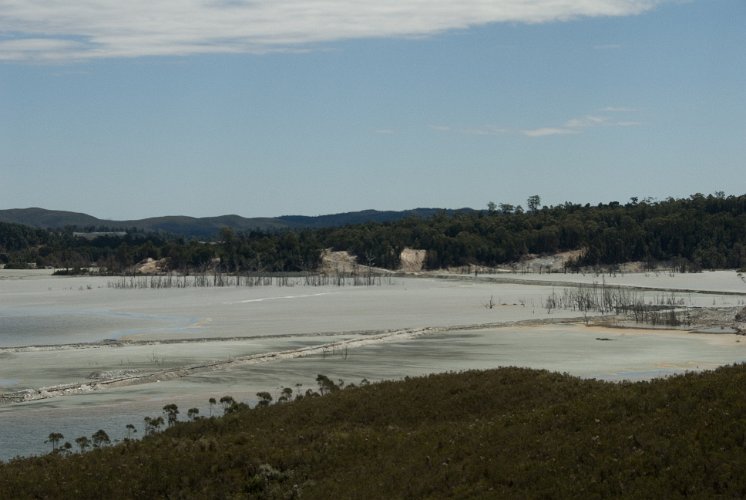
x,y
719,282
188,345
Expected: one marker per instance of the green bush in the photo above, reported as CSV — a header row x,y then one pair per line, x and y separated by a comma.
x,y
490,434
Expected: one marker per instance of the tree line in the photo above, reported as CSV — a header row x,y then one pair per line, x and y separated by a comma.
x,y
697,232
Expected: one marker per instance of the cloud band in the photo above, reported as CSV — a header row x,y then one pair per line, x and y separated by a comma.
x,y
42,30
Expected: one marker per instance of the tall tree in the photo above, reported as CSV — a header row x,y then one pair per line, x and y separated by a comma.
x,y
100,438
54,438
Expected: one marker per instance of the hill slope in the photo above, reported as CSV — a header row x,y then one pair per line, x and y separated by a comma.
x,y
47,219
205,227
498,434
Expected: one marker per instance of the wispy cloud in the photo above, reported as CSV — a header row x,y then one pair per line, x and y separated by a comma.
x,y
603,118
40,30
581,123
586,121
543,132
484,130
478,130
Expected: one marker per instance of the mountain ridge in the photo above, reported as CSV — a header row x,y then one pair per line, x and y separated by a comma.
x,y
206,227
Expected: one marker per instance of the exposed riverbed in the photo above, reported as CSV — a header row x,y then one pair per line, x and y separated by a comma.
x,y
77,355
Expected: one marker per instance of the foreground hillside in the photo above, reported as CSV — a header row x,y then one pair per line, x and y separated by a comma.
x,y
502,433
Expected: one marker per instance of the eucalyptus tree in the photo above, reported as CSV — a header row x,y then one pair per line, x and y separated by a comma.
x,y
130,430
83,443
152,424
100,438
227,402
506,208
326,385
287,394
265,398
171,411
54,438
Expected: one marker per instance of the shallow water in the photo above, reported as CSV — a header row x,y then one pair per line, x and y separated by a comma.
x,y
377,334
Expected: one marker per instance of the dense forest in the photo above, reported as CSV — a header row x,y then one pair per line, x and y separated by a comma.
x,y
698,232
505,433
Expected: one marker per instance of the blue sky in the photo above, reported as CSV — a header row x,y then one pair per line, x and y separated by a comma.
x,y
310,107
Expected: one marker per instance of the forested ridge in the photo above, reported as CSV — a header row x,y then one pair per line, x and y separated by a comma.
x,y
698,232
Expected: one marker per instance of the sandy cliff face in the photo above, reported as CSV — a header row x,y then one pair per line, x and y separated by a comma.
x,y
151,266
342,262
412,260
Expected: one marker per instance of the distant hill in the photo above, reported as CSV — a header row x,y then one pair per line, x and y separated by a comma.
x,y
362,217
48,219
204,227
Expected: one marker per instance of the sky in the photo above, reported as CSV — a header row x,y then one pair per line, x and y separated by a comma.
x,y
262,108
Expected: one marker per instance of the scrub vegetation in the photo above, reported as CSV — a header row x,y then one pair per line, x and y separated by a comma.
x,y
502,433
